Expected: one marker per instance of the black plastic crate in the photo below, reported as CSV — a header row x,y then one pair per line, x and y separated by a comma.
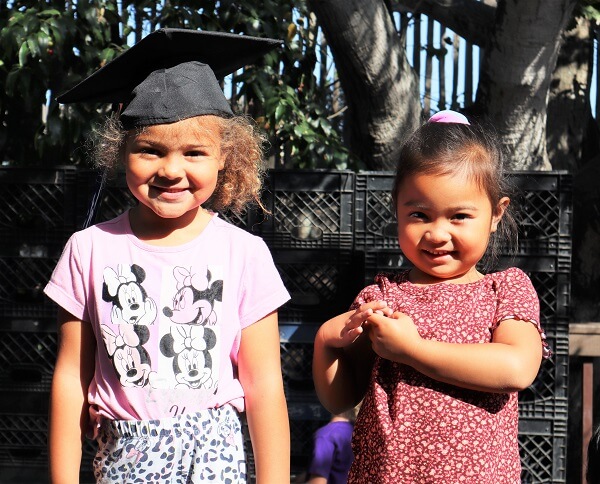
x,y
27,355
22,281
309,209
384,260
296,350
542,446
321,283
296,368
374,214
547,396
115,198
23,444
542,204
23,428
38,210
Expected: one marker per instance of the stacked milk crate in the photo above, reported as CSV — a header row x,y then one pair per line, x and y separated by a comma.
x,y
543,203
329,232
38,214
310,233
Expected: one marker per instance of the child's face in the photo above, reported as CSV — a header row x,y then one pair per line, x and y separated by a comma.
x,y
444,224
172,169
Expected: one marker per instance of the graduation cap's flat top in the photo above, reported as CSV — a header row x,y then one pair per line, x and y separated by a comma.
x,y
170,74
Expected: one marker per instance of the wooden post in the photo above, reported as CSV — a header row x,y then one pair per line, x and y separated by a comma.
x,y
584,342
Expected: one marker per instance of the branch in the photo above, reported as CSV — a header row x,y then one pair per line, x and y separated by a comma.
x,y
471,19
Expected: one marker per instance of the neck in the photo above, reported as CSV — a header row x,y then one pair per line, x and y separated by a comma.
x,y
337,418
155,230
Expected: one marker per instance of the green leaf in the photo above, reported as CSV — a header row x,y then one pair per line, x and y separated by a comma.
x,y
33,47
51,12
279,112
43,41
23,54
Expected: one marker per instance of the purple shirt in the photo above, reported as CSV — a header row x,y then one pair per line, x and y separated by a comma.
x,y
332,452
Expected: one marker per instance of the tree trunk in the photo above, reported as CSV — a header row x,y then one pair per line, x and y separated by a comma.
x,y
515,81
470,19
381,89
569,111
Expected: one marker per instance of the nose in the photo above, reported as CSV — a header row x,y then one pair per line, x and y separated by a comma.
x,y
171,167
437,233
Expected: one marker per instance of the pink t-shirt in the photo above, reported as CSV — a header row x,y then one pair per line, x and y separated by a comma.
x,y
412,428
167,320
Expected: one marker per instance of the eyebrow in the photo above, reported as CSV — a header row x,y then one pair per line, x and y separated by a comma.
x,y
422,206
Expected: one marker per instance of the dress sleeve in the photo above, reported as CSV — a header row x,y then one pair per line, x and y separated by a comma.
x,y
518,299
368,294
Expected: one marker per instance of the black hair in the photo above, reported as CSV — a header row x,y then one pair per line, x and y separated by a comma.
x,y
438,148
593,458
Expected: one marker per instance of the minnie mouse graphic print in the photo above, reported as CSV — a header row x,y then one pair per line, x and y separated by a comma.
x,y
167,320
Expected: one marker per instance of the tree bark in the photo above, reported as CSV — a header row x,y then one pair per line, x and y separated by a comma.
x,y
470,19
381,89
515,75
569,111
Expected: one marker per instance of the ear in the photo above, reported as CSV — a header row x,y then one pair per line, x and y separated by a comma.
x,y
222,158
499,212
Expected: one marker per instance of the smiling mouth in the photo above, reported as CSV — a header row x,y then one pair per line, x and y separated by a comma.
x,y
438,253
169,190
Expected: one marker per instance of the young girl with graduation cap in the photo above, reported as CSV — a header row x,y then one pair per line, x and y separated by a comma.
x,y
167,313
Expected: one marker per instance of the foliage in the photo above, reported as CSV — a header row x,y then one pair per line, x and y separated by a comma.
x,y
47,46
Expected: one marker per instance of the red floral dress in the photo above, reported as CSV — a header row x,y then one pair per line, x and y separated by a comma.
x,y
413,429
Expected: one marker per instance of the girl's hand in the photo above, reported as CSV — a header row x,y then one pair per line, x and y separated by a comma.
x,y
353,323
342,360
394,337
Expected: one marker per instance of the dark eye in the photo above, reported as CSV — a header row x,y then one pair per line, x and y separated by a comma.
x,y
196,153
418,215
461,216
147,150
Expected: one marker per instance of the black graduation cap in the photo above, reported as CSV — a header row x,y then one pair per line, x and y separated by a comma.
x,y
171,74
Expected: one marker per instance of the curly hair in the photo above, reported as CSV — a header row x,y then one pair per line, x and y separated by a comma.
x,y
448,148
239,183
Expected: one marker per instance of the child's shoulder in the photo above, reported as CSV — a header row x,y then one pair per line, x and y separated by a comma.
x,y
510,275
234,231
512,281
108,228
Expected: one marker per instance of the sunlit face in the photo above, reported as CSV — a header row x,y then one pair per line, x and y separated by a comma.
x,y
444,224
172,169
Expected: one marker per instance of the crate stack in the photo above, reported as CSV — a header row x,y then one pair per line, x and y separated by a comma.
x,y
543,206
545,217
38,214
310,233
330,233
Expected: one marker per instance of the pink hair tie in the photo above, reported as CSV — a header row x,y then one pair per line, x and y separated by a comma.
x,y
448,116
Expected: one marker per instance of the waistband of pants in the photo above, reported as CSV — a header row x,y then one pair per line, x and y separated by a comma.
x,y
153,428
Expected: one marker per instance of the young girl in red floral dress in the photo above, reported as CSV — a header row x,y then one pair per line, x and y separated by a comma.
x,y
439,352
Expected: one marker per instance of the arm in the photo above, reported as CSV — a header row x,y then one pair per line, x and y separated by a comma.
x,y
509,363
68,397
314,479
259,368
343,359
